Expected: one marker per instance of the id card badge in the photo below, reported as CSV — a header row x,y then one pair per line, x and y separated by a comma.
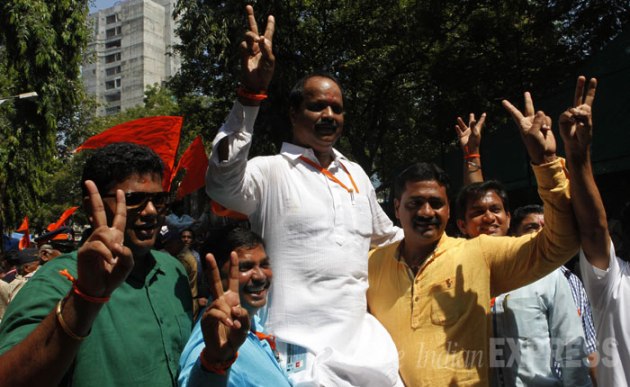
x,y
292,357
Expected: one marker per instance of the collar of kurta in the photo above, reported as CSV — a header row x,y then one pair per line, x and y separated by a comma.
x,y
293,153
439,250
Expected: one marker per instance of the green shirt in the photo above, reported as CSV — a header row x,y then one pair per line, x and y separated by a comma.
x,y
137,337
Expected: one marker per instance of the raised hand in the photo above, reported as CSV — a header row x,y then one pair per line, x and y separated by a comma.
x,y
470,135
576,123
225,323
535,130
257,59
103,262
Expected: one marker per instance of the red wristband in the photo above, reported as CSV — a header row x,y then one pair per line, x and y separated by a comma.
x,y
78,292
216,368
471,156
247,94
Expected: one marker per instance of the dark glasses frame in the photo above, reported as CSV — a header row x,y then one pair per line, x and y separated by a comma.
x,y
137,201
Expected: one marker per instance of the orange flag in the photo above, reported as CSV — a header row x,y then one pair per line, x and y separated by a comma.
x,y
25,241
195,162
62,219
159,133
219,210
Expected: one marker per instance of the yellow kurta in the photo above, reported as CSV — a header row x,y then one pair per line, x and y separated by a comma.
x,y
440,320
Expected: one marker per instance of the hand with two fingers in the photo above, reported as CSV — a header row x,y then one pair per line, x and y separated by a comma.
x,y
535,130
224,324
576,123
470,135
257,59
104,262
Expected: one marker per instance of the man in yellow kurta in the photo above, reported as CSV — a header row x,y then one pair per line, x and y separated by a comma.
x,y
432,292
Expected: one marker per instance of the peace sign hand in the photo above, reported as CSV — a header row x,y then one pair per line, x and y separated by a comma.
x,y
576,123
470,135
103,262
257,59
535,130
224,324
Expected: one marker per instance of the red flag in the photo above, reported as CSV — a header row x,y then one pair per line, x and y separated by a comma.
x,y
24,226
159,133
25,241
195,162
62,219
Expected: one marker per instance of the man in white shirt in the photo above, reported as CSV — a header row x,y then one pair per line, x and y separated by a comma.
x,y
605,276
318,214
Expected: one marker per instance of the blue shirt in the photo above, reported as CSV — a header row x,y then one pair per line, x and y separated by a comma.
x,y
255,365
538,324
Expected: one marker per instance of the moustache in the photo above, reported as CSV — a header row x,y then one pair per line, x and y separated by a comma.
x,y
326,123
426,221
258,286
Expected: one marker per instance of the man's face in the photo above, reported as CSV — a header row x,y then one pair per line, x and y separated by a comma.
x,y
144,221
423,211
485,215
187,238
254,277
30,267
531,223
318,122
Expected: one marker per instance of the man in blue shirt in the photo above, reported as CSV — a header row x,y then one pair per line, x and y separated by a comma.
x,y
232,349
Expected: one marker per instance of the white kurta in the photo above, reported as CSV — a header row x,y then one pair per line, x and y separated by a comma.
x,y
317,235
609,293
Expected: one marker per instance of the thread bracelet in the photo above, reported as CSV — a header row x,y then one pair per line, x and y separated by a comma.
x,y
78,292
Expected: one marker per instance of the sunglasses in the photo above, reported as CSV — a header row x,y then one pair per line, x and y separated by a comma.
x,y
137,201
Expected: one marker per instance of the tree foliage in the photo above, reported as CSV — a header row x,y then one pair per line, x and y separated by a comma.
x,y
41,43
408,67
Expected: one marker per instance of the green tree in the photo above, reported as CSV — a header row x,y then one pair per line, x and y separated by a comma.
x,y
40,50
408,67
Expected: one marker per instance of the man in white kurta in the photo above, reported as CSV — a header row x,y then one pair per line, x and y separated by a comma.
x,y
609,292
318,215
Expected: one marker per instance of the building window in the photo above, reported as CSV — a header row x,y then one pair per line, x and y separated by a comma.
x,y
112,110
113,84
110,33
112,71
112,97
112,19
112,57
112,44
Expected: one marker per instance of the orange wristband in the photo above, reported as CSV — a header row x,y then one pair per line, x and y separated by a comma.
x,y
472,156
75,289
216,368
244,93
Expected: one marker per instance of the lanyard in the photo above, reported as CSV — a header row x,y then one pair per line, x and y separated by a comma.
x,y
330,176
270,339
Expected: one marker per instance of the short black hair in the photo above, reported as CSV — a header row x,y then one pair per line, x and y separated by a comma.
x,y
296,96
222,242
420,171
520,214
474,191
114,163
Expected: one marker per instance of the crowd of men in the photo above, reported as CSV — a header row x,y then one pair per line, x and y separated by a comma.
x,y
322,289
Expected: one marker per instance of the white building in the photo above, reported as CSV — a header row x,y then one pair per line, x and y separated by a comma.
x,y
131,48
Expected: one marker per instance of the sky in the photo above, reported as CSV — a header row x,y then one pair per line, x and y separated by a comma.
x,y
95,5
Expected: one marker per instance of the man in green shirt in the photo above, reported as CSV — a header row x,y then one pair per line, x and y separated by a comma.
x,y
127,316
